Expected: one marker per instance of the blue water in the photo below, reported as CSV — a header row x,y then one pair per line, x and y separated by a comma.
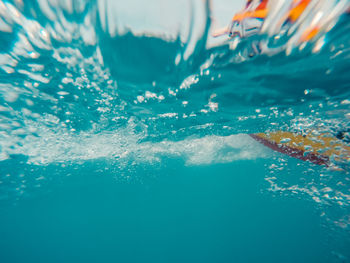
x,y
125,141
200,214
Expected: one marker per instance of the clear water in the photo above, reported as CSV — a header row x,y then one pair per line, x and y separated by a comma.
x,y
124,135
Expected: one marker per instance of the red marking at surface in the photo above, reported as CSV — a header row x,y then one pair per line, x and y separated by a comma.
x,y
262,5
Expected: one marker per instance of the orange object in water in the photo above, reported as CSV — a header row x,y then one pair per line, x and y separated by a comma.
x,y
310,34
318,149
260,11
297,9
250,14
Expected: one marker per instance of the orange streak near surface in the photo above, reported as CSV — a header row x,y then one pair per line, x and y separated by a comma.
x,y
260,12
310,34
297,10
253,14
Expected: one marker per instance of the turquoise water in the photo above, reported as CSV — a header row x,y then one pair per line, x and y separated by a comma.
x,y
125,141
211,213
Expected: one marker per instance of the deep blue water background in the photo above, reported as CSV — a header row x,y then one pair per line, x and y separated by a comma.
x,y
134,147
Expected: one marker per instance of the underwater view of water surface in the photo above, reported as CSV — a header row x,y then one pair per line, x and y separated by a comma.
x,y
130,131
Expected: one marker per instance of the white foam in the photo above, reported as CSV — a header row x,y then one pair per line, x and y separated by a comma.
x,y
58,145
